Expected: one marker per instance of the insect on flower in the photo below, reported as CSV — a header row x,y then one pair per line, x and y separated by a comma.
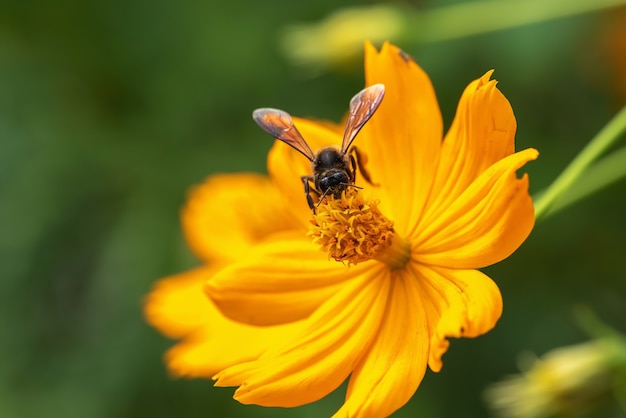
x,y
334,169
287,326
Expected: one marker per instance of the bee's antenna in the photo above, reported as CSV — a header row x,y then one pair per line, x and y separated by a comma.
x,y
319,202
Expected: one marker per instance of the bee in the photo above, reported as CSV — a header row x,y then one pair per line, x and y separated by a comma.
x,y
334,168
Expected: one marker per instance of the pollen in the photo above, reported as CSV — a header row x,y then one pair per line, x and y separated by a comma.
x,y
352,229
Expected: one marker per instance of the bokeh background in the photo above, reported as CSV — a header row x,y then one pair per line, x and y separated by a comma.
x,y
111,110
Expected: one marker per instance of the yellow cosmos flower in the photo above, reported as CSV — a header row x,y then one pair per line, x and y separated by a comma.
x,y
409,248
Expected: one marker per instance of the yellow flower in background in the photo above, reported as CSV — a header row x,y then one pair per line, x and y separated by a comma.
x,y
337,40
566,381
409,247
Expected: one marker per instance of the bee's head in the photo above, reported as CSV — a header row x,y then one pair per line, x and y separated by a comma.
x,y
333,181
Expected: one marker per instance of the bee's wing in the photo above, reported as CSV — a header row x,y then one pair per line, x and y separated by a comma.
x,y
279,124
362,108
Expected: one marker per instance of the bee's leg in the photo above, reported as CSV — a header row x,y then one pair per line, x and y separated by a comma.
x,y
353,165
356,158
307,191
321,199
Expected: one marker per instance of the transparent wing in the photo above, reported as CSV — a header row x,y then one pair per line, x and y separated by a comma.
x,y
279,124
362,108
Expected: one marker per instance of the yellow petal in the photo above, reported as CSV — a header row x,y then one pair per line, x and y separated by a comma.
x,y
176,306
394,366
319,359
197,356
482,133
179,308
222,343
279,281
228,213
468,304
489,221
403,139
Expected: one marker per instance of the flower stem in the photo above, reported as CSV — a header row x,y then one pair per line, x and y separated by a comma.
x,y
607,136
483,16
601,174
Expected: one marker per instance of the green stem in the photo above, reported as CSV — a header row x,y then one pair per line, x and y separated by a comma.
x,y
601,174
476,17
607,136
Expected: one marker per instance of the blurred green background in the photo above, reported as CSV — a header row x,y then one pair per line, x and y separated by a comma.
x,y
111,110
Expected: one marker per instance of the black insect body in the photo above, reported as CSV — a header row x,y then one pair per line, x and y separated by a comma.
x,y
334,169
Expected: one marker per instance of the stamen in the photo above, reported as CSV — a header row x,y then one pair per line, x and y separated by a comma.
x,y
351,229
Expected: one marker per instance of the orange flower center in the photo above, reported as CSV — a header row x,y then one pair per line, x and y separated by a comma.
x,y
351,229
